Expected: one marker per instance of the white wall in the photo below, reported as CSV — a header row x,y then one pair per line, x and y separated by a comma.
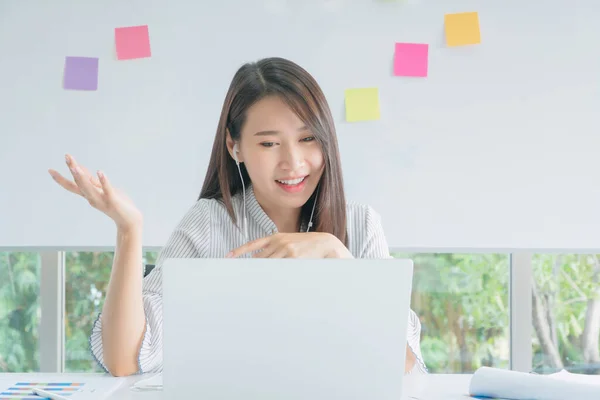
x,y
496,148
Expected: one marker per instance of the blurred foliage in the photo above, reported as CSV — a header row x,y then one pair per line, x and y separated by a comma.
x,y
461,299
462,302
567,287
87,276
19,311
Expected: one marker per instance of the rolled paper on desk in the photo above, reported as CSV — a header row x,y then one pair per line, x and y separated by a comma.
x,y
513,385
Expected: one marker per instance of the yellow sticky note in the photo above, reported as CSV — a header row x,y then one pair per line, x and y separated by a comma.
x,y
462,29
362,104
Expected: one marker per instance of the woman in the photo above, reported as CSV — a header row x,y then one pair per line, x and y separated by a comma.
x,y
273,189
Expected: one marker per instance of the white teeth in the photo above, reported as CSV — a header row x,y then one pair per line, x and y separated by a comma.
x,y
292,182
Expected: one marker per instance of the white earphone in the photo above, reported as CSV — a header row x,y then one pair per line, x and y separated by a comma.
x,y
235,157
235,151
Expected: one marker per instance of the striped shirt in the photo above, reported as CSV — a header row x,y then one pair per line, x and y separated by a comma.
x,y
206,231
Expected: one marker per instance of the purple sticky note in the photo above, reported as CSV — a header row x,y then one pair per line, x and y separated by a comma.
x,y
81,73
411,59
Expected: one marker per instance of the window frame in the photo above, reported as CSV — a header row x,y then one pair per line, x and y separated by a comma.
x,y
52,303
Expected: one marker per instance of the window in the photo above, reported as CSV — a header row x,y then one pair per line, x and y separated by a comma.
x,y
86,279
566,313
462,302
19,311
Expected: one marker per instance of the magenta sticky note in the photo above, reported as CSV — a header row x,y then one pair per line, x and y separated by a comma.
x,y
132,42
411,59
81,73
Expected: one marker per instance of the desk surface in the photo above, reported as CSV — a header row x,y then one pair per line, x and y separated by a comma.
x,y
416,387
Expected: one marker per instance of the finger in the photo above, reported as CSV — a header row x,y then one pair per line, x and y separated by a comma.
x,y
249,247
64,182
81,180
93,179
89,191
273,250
281,253
265,252
80,174
105,184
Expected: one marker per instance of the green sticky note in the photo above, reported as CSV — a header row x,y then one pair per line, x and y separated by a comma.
x,y
362,104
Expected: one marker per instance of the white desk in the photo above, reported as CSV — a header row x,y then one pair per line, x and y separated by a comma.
x,y
421,387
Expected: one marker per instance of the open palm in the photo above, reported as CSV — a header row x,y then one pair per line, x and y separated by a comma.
x,y
99,192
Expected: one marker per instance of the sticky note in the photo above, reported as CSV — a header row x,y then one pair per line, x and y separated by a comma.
x,y
132,42
411,59
462,29
81,73
362,104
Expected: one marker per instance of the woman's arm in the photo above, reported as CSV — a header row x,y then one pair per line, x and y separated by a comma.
x,y
123,310
123,313
411,360
414,359
123,346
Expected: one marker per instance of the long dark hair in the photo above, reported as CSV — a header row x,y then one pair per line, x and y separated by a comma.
x,y
299,90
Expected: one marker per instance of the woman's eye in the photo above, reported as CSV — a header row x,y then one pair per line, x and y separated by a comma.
x,y
308,139
267,144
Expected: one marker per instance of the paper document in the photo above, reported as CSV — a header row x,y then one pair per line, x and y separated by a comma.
x,y
565,375
513,385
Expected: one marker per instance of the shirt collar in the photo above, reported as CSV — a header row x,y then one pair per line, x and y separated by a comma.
x,y
257,214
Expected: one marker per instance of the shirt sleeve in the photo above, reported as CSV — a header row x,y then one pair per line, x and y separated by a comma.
x,y
190,239
376,246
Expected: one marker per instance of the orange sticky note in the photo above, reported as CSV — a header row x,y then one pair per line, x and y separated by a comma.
x,y
132,42
462,29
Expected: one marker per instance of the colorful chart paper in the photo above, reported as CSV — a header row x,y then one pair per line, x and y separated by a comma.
x,y
23,390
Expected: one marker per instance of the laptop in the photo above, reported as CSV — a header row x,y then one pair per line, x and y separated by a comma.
x,y
285,329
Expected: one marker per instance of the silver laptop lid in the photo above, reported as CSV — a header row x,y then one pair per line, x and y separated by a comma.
x,y
263,329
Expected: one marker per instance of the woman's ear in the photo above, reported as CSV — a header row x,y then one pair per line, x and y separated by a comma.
x,y
230,146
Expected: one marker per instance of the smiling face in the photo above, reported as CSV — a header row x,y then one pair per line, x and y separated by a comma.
x,y
278,115
283,159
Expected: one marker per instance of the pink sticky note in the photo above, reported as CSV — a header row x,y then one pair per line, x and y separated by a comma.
x,y
411,59
132,42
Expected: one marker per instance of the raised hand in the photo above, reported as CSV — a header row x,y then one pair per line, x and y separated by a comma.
x,y
101,195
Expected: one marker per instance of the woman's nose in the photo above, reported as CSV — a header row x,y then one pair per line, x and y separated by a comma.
x,y
293,159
